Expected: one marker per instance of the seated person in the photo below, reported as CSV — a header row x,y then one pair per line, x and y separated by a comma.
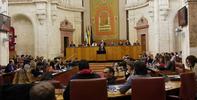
x,y
109,75
72,44
84,73
130,69
43,91
22,77
191,61
161,64
10,67
120,43
140,70
94,44
47,72
127,43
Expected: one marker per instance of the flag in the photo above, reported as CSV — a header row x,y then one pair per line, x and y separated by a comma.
x,y
89,42
86,35
91,35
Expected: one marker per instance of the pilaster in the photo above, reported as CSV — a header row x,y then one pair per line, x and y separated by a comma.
x,y
192,16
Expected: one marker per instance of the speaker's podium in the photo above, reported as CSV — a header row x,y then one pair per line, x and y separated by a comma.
x,y
101,55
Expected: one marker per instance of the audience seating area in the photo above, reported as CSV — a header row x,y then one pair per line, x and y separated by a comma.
x,y
157,87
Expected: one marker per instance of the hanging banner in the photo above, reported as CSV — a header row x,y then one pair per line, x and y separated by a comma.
x,y
104,19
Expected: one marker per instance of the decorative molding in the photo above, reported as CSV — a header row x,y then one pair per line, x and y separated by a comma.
x,y
128,7
164,8
71,9
54,11
164,12
151,10
141,27
142,23
4,7
20,1
66,26
41,11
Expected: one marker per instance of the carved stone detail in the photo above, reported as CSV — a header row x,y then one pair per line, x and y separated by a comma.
x,y
66,26
142,24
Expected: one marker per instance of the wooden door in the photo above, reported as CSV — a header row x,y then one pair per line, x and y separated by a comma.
x,y
66,44
143,42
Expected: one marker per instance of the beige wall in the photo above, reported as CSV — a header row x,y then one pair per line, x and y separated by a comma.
x,y
25,35
4,49
160,15
45,17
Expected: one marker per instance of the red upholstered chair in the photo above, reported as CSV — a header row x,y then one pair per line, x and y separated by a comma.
x,y
152,88
88,89
187,90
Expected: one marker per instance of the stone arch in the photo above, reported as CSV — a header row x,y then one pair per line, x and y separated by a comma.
x,y
25,41
66,29
142,32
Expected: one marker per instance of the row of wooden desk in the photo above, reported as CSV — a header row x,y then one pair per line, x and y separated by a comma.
x,y
64,77
112,53
115,95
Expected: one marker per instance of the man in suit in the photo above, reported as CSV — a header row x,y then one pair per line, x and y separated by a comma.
x,y
109,75
9,67
101,48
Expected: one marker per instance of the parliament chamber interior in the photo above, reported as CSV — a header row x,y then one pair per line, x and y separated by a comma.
x,y
98,50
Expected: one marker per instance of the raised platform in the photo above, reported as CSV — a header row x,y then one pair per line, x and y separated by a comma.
x,y
113,53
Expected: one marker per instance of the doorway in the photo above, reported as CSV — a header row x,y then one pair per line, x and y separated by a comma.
x,y
142,33
143,42
66,44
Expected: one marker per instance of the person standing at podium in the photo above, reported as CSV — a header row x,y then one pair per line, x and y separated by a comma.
x,y
101,48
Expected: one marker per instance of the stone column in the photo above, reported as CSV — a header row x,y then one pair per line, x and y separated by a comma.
x,y
155,34
4,49
164,32
122,22
151,32
192,24
77,26
4,46
42,30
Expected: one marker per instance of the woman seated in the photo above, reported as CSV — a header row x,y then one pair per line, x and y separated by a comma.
x,y
130,69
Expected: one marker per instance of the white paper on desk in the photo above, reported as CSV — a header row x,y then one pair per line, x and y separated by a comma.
x,y
114,87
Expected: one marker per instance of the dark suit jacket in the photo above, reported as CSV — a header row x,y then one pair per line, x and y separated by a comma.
x,y
9,68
